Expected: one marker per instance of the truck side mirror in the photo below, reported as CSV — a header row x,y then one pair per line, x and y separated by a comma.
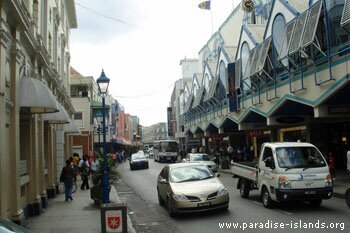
x,y
269,162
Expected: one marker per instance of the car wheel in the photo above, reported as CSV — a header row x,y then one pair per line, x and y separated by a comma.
x,y
316,202
160,200
131,168
266,199
347,197
244,189
170,208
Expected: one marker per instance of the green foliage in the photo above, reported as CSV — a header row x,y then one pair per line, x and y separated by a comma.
x,y
97,176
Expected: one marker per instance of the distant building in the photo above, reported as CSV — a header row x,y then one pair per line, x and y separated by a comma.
x,y
154,132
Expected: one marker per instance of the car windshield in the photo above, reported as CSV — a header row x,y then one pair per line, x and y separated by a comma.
x,y
203,157
299,157
190,173
138,156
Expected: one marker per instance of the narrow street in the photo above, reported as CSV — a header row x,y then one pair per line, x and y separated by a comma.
x,y
138,190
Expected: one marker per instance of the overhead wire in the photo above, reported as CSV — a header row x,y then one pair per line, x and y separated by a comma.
x,y
107,16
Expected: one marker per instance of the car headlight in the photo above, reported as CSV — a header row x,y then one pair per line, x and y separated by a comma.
x,y
222,191
131,161
284,183
179,197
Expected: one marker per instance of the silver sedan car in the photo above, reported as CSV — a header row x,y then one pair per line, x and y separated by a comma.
x,y
190,187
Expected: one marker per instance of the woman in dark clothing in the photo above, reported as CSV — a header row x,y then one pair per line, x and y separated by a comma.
x,y
68,176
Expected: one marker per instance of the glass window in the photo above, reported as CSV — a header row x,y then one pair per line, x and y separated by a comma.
x,y
206,82
279,25
190,173
244,61
299,157
222,73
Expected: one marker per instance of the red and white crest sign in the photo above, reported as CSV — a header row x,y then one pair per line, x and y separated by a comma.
x,y
113,220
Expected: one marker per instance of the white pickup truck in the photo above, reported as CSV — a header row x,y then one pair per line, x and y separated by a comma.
x,y
286,171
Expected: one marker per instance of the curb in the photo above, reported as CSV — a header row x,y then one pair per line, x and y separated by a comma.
x,y
114,192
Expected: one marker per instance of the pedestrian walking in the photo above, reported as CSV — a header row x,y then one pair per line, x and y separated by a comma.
x,y
331,164
68,176
85,172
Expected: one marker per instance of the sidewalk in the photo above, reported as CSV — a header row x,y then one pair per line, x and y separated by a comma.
x,y
79,215
341,183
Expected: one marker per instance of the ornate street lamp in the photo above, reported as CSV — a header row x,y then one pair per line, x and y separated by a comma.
x,y
103,83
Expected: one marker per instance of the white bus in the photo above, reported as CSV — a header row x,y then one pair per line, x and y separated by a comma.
x,y
165,151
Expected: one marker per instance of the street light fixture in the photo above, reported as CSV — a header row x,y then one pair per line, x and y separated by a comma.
x,y
103,83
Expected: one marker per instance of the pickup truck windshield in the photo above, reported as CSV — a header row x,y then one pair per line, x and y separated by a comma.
x,y
299,157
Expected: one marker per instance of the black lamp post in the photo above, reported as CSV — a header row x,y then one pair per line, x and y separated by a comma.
x,y
103,83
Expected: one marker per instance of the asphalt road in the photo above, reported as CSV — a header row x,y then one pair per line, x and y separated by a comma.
x,y
138,189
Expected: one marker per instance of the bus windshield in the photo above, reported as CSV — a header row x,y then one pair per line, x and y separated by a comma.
x,y
168,147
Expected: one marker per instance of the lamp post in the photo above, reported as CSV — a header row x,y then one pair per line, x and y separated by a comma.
x,y
103,83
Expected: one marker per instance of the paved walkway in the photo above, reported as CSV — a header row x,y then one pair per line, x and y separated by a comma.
x,y
79,215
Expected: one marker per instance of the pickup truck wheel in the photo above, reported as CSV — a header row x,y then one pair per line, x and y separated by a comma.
x,y
266,199
316,202
347,197
244,189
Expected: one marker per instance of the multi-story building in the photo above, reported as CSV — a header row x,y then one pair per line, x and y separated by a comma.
x,y
286,76
34,102
154,132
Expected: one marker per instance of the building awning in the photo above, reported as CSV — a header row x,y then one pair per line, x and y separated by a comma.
x,y
60,117
71,128
121,140
96,104
36,97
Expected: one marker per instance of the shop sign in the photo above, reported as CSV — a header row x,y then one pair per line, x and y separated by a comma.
x,y
290,119
255,133
216,138
339,109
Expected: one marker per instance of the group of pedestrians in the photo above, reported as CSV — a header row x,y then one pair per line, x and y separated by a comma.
x,y
76,166
240,153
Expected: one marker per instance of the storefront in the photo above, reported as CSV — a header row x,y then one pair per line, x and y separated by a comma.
x,y
257,138
293,134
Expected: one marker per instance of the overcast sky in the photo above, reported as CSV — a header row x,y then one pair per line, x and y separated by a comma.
x,y
139,44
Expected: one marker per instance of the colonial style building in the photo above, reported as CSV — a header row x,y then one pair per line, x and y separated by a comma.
x,y
34,102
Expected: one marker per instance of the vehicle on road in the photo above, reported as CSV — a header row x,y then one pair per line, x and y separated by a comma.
x,y
165,151
138,160
9,226
347,197
190,187
286,171
201,158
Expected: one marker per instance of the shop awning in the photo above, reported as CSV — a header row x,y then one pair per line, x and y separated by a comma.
x,y
71,128
60,117
121,140
36,97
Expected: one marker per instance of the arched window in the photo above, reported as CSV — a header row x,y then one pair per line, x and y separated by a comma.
x,y
222,74
206,82
244,61
278,27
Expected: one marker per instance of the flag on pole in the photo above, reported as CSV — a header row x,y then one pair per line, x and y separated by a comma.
x,y
204,5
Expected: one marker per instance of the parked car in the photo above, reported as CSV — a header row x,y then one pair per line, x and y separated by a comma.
x,y
201,158
347,197
190,187
8,226
138,160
